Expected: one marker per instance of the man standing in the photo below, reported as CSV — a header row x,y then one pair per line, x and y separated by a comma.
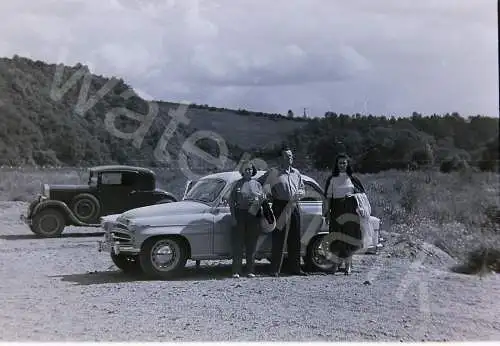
x,y
286,187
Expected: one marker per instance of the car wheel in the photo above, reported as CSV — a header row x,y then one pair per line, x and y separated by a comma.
x,y
162,258
86,207
48,223
128,264
315,259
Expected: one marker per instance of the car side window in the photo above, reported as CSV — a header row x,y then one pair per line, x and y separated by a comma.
x,y
111,178
312,194
129,179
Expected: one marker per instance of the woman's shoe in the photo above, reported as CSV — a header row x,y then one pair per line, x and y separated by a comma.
x,y
251,275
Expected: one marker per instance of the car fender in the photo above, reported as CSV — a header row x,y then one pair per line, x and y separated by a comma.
x,y
151,232
163,195
62,207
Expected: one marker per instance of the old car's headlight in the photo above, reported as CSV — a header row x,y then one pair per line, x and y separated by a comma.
x,y
46,190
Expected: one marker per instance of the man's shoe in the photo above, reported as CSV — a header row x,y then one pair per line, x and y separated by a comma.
x,y
236,276
251,275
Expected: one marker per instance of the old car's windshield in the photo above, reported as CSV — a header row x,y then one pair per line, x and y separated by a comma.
x,y
206,190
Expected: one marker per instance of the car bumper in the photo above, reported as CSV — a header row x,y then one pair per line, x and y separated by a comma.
x,y
25,219
117,248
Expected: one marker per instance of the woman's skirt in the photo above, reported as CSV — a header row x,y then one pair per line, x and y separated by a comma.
x,y
345,223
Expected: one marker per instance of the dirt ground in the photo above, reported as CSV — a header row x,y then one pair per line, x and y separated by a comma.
x,y
65,290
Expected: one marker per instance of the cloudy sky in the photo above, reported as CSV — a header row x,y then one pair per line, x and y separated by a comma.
x,y
369,56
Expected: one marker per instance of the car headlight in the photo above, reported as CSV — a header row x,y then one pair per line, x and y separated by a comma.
x,y
46,190
123,220
106,226
134,227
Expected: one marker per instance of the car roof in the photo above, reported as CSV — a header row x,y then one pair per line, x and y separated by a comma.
x,y
123,168
235,175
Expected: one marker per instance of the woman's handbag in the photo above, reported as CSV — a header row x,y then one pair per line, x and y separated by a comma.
x,y
267,218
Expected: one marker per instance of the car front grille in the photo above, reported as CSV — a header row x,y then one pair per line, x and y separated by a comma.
x,y
118,235
120,226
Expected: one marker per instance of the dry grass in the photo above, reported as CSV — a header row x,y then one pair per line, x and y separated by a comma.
x,y
457,212
23,184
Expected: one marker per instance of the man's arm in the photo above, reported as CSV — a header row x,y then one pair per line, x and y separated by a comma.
x,y
265,180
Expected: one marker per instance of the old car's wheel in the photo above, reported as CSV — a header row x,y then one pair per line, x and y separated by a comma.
x,y
162,258
127,263
86,207
315,259
48,223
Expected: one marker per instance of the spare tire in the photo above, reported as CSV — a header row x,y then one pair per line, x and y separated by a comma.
x,y
86,208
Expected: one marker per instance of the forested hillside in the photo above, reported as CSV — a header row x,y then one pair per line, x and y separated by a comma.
x,y
61,120
448,142
65,119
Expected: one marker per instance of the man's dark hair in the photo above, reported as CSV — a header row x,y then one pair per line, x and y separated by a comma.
x,y
336,171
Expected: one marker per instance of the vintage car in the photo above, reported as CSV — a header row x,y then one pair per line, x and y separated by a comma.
x,y
110,190
158,240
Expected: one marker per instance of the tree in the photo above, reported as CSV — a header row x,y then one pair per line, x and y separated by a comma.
x,y
490,156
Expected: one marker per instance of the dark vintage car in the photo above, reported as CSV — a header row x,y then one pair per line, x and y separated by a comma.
x,y
110,190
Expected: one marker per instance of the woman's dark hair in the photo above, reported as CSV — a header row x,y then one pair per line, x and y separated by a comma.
x,y
336,171
251,164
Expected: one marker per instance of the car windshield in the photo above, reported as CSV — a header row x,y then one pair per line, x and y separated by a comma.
x,y
206,190
92,179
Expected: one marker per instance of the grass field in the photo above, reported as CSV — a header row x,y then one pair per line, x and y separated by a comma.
x,y
456,212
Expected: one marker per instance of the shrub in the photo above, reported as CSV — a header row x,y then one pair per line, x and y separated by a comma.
x,y
480,261
453,163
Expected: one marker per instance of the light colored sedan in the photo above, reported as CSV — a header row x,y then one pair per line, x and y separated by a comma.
x,y
159,239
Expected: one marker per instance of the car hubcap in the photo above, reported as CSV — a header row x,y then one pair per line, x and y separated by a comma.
x,y
84,209
164,255
319,255
49,223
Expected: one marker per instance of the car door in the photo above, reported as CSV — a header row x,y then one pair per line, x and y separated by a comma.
x,y
114,191
223,226
142,191
311,211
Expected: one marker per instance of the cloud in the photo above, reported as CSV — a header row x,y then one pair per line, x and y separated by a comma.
x,y
384,57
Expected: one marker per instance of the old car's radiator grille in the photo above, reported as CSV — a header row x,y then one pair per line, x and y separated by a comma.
x,y
121,237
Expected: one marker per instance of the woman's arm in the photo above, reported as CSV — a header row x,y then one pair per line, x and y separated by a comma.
x,y
232,198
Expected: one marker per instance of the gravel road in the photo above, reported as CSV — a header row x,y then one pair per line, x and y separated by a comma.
x,y
64,290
